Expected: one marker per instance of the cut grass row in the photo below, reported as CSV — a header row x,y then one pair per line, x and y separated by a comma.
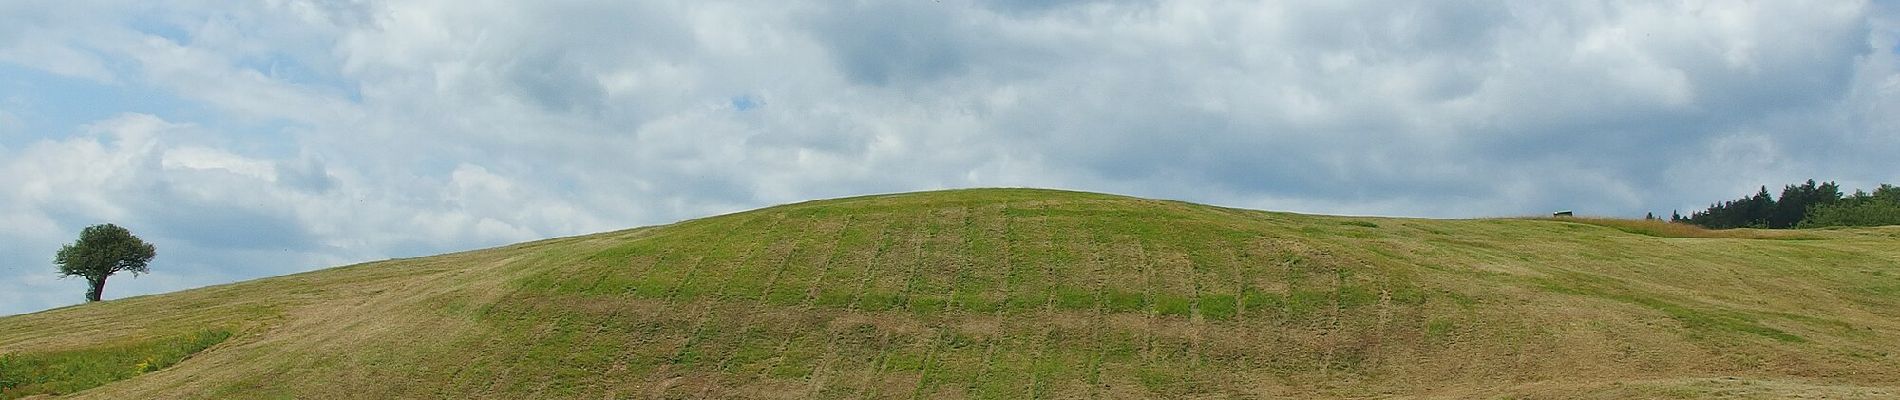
x,y
925,285
1049,273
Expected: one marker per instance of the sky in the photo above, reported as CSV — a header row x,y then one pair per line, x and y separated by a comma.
x,y
259,138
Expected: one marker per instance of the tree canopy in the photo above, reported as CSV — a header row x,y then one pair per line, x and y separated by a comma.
x,y
103,250
1807,205
1882,207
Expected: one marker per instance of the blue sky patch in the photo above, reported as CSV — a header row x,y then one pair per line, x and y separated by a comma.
x,y
53,106
746,103
158,26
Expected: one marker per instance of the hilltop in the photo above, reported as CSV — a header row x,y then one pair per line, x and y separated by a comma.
x,y
1023,293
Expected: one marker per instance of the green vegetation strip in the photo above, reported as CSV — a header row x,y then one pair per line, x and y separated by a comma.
x,y
1695,318
69,371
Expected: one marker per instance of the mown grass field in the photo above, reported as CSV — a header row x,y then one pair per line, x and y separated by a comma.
x,y
1019,293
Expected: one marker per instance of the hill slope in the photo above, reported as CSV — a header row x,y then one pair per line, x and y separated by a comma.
x,y
1013,293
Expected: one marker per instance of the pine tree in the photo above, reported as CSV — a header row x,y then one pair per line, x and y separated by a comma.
x,y
1796,200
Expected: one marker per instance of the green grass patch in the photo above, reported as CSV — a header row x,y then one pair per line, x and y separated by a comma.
x,y
1439,327
64,372
878,301
1356,296
1261,302
1716,320
975,302
1358,223
1694,318
928,304
1173,305
1024,302
1218,307
1117,301
1074,299
1305,302
836,297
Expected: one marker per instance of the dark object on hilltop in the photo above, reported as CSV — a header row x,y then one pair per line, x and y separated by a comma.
x,y
1564,213
1809,205
103,250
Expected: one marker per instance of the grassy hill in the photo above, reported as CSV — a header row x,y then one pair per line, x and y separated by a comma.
x,y
1015,293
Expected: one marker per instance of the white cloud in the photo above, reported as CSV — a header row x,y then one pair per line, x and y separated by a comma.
x,y
218,215
201,158
198,74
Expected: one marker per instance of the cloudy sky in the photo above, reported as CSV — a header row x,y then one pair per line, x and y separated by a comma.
x,y
257,138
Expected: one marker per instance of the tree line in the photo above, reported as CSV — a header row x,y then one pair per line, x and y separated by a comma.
x,y
1807,205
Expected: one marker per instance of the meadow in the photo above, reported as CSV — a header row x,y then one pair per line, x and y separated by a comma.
x,y
1029,293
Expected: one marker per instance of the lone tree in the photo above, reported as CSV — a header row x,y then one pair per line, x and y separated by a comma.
x,y
103,250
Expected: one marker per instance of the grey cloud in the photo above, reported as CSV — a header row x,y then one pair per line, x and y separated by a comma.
x,y
880,43
555,83
223,226
308,174
1036,7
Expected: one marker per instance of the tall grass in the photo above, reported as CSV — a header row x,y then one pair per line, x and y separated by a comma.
x,y
69,371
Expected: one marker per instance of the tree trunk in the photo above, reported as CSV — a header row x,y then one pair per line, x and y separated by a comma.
x,y
95,288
